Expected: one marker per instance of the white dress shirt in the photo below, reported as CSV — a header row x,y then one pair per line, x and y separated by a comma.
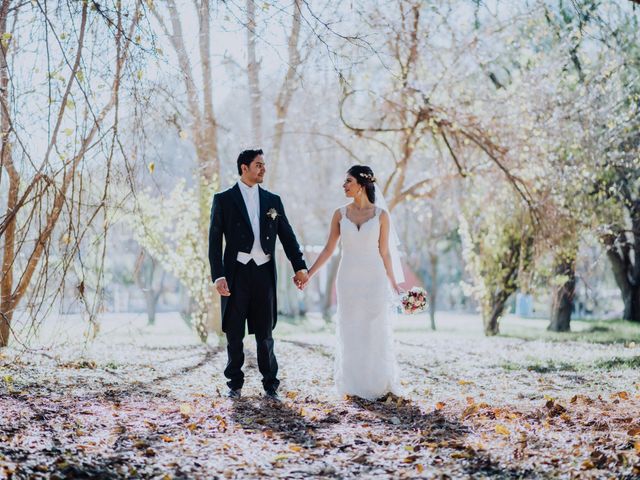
x,y
251,197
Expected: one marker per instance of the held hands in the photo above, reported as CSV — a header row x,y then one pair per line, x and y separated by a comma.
x,y
222,287
301,279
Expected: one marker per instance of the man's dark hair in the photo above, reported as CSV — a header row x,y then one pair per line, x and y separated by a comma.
x,y
246,157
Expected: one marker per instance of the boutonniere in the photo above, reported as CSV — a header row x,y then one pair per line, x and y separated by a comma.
x,y
273,213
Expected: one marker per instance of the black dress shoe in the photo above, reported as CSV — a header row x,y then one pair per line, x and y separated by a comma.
x,y
233,393
272,394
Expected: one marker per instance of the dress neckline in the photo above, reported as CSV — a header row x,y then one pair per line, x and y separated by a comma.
x,y
358,227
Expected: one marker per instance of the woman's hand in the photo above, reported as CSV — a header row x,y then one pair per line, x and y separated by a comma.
x,y
302,283
398,289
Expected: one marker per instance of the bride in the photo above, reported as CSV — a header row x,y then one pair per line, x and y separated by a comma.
x,y
368,276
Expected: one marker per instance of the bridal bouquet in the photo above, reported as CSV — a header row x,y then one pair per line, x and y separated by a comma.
x,y
414,301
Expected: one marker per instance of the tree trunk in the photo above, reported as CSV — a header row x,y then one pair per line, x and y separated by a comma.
x,y
208,162
287,291
5,327
144,273
151,301
492,318
286,92
617,253
186,305
562,303
519,254
433,290
253,72
153,296
492,312
631,299
6,162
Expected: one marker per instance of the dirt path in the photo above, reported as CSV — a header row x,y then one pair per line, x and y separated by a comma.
x,y
499,408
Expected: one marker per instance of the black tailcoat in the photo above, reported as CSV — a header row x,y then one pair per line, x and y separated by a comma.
x,y
230,219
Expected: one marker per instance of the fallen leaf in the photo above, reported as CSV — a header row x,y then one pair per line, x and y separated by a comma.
x,y
622,395
440,405
502,430
280,457
598,458
458,455
587,465
362,458
470,410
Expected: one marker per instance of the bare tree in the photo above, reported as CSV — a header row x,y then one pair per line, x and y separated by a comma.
x,y
403,120
37,200
203,124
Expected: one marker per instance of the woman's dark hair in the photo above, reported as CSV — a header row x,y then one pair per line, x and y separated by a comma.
x,y
364,176
246,157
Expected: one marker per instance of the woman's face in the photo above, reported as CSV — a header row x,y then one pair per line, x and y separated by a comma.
x,y
350,186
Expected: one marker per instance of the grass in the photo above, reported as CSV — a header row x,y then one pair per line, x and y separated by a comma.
x,y
541,367
619,362
593,331
614,363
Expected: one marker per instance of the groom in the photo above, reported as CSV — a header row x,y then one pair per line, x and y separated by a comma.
x,y
249,218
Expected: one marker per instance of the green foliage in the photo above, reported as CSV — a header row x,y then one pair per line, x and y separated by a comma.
x,y
619,362
498,248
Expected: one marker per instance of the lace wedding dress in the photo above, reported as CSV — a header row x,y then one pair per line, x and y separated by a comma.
x,y
365,359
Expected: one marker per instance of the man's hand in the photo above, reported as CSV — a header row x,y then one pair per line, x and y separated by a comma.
x,y
222,287
301,278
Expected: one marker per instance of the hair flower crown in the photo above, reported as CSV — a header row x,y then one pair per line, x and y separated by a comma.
x,y
368,176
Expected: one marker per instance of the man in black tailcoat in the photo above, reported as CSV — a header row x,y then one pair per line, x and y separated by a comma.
x,y
249,218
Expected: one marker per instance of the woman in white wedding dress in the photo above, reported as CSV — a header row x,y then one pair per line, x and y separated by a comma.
x,y
365,363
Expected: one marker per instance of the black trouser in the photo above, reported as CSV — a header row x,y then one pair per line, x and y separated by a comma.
x,y
252,299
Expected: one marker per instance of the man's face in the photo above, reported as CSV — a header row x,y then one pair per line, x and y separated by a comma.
x,y
254,173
